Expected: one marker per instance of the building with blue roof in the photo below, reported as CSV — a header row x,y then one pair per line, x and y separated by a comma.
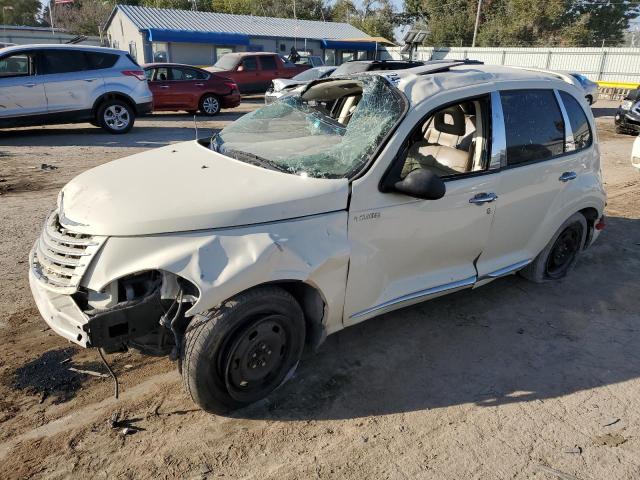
x,y
200,38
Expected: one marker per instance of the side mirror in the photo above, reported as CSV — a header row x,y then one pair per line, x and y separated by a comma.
x,y
422,183
240,68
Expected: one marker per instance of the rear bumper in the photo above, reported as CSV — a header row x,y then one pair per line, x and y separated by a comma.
x,y
232,100
144,108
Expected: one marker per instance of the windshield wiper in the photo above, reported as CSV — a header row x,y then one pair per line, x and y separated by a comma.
x,y
255,160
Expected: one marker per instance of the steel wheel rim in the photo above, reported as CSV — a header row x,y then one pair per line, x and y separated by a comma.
x,y
210,105
116,117
564,250
255,360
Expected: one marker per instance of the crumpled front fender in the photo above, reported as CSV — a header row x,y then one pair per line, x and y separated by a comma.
x,y
224,262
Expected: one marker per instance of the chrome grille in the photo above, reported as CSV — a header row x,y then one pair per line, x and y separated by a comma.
x,y
60,256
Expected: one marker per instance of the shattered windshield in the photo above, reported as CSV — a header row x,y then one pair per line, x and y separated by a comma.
x,y
328,132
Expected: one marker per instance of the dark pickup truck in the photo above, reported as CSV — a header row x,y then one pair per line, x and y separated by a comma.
x,y
253,71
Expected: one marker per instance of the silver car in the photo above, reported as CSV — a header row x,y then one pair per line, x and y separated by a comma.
x,y
590,87
42,84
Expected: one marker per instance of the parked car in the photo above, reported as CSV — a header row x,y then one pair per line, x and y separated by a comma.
x,y
362,195
182,87
627,118
635,154
254,71
280,86
48,84
590,87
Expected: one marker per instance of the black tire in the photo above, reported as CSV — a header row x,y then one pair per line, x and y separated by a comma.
x,y
116,116
560,255
210,104
237,354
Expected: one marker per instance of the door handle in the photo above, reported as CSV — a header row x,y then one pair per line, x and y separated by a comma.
x,y
482,198
566,176
30,85
164,86
90,79
199,84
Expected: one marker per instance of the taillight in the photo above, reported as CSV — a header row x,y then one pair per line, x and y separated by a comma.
x,y
601,224
139,74
230,84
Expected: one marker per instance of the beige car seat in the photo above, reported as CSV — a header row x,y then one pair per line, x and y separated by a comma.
x,y
449,129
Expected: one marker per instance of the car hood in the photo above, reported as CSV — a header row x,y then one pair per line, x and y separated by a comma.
x,y
282,83
185,187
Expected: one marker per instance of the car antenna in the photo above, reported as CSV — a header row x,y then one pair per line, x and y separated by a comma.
x,y
195,125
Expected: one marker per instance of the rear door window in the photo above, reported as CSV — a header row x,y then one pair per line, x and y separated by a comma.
x,y
582,137
533,125
249,64
186,74
64,61
268,63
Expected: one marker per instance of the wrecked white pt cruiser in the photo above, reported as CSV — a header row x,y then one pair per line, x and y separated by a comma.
x,y
359,196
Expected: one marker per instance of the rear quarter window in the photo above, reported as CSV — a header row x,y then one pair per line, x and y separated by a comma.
x,y
533,124
99,60
582,137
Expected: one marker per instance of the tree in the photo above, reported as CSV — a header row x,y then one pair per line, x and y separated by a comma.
x,y
376,17
525,22
20,12
304,9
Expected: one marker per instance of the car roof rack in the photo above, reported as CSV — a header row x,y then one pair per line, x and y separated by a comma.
x,y
438,66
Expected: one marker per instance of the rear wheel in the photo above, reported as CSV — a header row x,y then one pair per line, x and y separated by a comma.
x,y
239,353
560,254
210,104
116,116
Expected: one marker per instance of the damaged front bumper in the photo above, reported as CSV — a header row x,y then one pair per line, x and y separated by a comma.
x,y
627,120
60,312
109,328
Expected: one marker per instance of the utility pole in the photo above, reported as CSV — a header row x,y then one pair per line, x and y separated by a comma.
x,y
53,31
475,29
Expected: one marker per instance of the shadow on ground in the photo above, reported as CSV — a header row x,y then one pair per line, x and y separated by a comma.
x,y
49,375
510,341
153,131
603,111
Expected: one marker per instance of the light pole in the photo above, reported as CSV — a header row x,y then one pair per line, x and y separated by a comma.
x,y
4,22
475,29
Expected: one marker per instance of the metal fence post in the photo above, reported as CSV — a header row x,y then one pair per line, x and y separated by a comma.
x,y
602,64
548,60
504,57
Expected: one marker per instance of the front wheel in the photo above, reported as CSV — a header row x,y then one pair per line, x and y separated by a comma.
x,y
116,116
242,351
560,254
210,104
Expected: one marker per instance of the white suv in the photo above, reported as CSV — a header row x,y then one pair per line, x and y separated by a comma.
x,y
42,84
362,195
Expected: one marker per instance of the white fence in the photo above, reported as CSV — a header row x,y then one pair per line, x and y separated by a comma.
x,y
599,64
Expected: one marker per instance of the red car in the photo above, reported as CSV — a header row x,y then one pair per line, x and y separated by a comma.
x,y
253,71
182,87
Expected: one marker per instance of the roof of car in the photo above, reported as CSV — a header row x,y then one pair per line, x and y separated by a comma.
x,y
60,46
245,54
435,77
169,64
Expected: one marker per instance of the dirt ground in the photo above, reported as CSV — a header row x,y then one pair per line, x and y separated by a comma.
x,y
509,381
